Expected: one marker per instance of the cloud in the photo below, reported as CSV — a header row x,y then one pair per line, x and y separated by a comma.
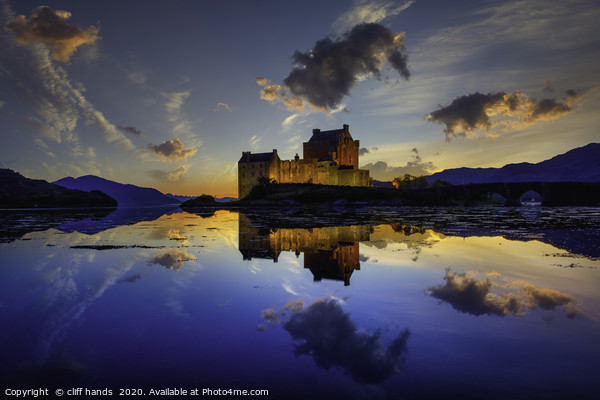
x,y
132,130
363,151
380,170
223,106
365,11
483,112
548,88
58,103
51,28
288,122
325,332
172,150
467,294
172,176
175,100
324,75
275,93
182,125
270,315
172,258
254,142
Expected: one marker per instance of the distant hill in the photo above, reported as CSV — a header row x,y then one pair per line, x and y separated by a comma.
x,y
581,164
179,198
225,199
125,194
16,191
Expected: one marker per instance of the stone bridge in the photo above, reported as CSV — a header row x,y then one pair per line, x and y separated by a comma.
x,y
553,193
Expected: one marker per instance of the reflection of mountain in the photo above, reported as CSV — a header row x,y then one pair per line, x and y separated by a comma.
x,y
126,195
329,252
121,216
14,224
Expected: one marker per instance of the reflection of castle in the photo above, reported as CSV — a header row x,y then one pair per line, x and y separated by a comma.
x,y
329,252
329,158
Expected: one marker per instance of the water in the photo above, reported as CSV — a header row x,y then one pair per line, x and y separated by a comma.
x,y
337,303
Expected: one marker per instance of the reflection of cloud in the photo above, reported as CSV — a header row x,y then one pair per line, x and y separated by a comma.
x,y
468,294
172,258
325,332
270,315
51,27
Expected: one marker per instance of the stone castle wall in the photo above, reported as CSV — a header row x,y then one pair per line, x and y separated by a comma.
x,y
329,158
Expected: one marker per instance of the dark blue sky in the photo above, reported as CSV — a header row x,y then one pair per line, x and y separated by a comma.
x,y
165,94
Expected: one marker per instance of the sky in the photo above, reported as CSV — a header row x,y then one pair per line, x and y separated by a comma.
x,y
169,94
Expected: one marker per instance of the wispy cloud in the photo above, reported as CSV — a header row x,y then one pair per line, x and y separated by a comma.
x,y
369,11
289,121
58,103
254,142
223,106
182,125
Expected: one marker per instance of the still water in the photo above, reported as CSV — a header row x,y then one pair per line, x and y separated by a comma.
x,y
327,303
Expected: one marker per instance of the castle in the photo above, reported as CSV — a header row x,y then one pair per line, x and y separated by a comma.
x,y
330,252
329,158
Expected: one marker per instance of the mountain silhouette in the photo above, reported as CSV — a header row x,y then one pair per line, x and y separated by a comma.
x,y
18,191
581,164
126,195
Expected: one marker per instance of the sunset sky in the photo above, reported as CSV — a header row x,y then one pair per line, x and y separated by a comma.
x,y
168,94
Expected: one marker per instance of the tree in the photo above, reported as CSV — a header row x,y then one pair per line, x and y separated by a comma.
x,y
410,182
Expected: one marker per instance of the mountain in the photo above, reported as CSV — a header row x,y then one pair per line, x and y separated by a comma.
x,y
581,164
126,195
179,198
16,191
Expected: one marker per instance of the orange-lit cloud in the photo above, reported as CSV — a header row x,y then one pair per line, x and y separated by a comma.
x,y
276,93
482,112
51,27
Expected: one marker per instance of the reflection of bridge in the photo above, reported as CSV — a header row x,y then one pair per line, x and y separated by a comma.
x,y
329,252
553,193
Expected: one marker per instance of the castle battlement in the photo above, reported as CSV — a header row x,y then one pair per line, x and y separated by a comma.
x,y
329,158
